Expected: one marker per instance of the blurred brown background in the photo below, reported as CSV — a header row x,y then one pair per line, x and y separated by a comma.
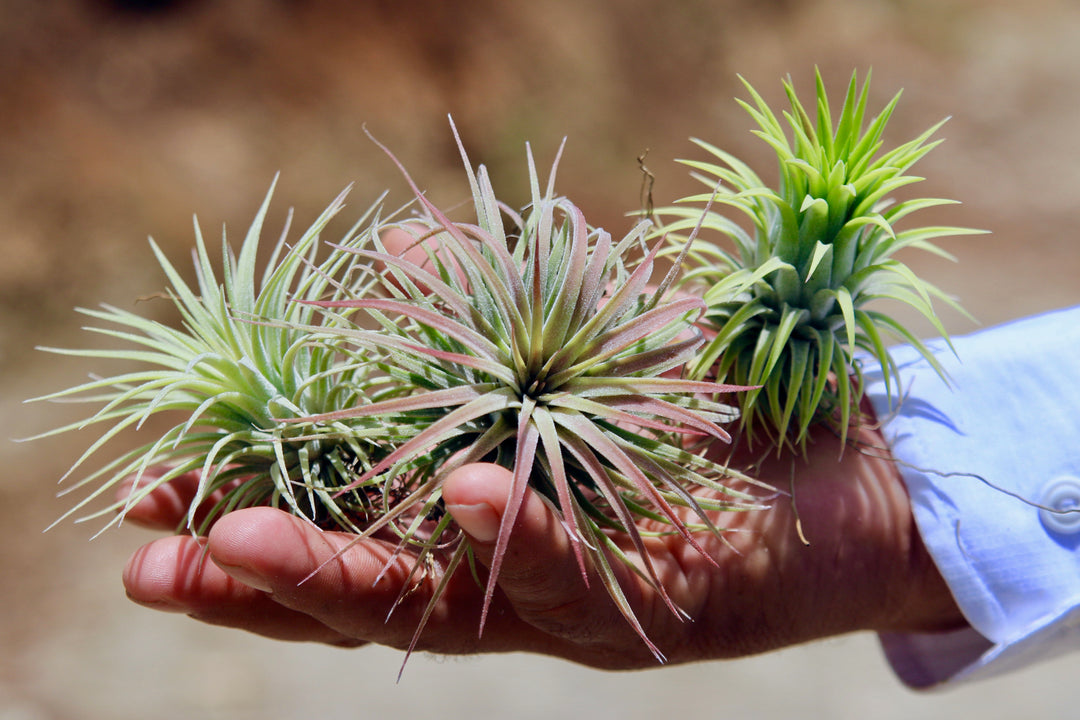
x,y
120,119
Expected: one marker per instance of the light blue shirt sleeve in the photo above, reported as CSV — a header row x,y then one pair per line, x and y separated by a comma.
x,y
992,464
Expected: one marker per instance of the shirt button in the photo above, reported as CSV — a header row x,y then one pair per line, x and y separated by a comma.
x,y
1060,511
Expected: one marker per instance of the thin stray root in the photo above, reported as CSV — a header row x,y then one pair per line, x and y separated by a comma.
x,y
795,508
879,452
647,182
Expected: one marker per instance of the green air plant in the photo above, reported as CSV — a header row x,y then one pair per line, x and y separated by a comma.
x,y
225,381
790,308
542,349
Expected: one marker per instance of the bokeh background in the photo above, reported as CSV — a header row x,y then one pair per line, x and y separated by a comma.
x,y
118,120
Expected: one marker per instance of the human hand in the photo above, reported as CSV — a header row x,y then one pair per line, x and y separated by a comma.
x,y
864,569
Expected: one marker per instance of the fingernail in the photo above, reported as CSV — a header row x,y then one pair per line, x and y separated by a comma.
x,y
162,604
479,521
244,575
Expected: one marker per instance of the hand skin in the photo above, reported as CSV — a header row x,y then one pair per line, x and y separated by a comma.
x,y
865,568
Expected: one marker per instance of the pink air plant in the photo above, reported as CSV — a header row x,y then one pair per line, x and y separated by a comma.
x,y
545,350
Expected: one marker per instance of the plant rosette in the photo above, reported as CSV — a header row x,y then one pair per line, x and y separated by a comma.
x,y
793,307
223,382
544,349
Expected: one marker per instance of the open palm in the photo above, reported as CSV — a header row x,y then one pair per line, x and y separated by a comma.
x,y
862,567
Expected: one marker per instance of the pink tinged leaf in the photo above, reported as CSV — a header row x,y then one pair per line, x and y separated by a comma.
x,y
637,409
436,321
650,466
539,243
487,206
570,292
422,401
670,411
549,436
534,180
503,277
647,385
594,283
619,338
506,285
423,279
613,308
550,192
635,285
652,362
524,457
499,432
488,214
476,262
607,411
486,404
644,325
496,370
607,447
582,451
615,592
473,185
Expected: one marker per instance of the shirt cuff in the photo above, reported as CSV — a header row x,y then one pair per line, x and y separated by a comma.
x,y
980,455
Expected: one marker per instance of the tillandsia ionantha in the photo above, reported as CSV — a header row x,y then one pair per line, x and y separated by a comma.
x,y
345,389
790,307
226,381
544,350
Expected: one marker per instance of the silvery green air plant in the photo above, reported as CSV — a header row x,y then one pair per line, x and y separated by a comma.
x,y
223,382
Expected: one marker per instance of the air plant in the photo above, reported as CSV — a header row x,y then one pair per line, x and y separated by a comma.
x,y
544,350
225,381
790,309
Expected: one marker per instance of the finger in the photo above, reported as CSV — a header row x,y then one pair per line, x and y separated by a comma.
x,y
538,570
331,577
174,575
166,507
352,586
540,575
402,241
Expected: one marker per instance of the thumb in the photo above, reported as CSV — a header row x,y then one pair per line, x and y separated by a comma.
x,y
539,573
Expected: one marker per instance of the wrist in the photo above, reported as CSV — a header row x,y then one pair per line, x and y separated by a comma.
x,y
930,605
918,598
863,565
